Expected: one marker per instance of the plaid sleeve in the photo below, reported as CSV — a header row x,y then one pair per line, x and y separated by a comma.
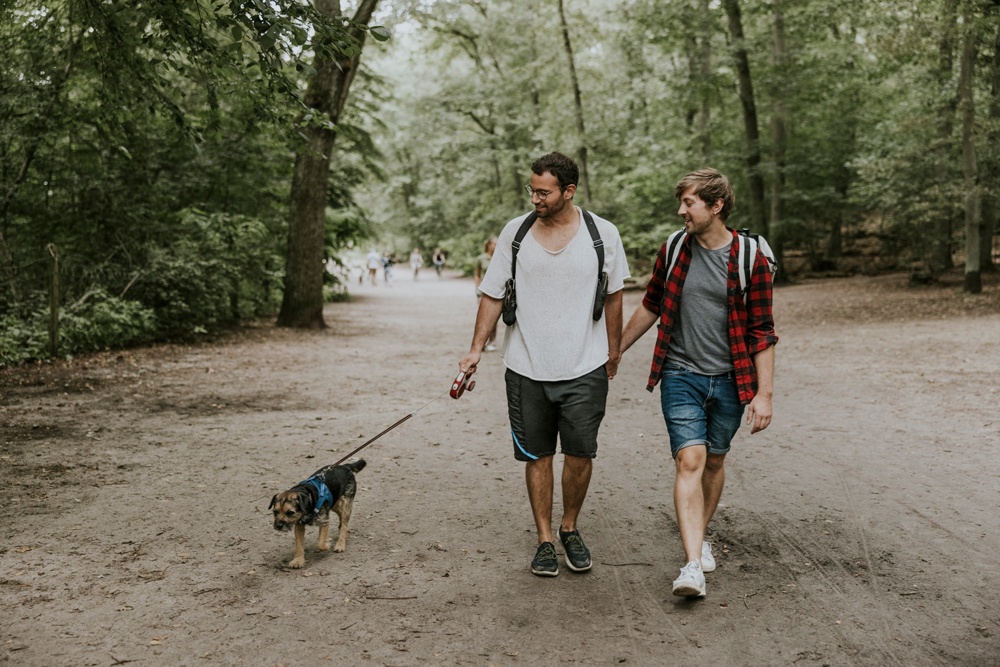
x,y
760,319
654,288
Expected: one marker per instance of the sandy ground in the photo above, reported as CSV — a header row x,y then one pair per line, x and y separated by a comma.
x,y
862,528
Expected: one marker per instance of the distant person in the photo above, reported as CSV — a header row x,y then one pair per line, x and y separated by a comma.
x,y
483,263
387,263
438,259
416,262
559,358
374,262
714,353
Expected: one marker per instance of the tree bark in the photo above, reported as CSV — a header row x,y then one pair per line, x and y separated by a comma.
x,y
577,106
942,244
302,302
991,166
744,82
779,136
973,232
704,116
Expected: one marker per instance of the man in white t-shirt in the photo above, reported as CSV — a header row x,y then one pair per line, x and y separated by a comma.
x,y
557,354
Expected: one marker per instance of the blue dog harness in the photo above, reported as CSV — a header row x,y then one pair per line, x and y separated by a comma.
x,y
323,496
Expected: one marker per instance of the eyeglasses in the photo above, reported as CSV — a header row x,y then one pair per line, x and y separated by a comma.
x,y
542,194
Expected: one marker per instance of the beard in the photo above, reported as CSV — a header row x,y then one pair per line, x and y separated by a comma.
x,y
549,210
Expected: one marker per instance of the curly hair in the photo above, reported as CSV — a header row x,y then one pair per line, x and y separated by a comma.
x,y
559,165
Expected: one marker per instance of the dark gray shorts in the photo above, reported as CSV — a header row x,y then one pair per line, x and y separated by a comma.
x,y
571,410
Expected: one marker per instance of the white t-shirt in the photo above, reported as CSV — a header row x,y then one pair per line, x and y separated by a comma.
x,y
556,337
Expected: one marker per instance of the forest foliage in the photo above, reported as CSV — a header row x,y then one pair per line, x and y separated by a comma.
x,y
150,146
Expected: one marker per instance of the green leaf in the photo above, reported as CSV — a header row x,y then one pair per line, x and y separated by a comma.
x,y
380,33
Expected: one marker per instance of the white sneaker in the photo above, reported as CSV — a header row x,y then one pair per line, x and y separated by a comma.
x,y
491,347
691,583
707,559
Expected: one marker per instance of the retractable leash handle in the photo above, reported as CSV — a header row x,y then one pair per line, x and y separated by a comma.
x,y
462,382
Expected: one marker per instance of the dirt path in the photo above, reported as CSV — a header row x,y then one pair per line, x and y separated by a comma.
x,y
860,529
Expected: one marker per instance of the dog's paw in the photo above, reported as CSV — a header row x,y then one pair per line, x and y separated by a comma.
x,y
322,547
297,563
339,548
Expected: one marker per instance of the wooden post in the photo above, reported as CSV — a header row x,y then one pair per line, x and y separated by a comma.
x,y
54,302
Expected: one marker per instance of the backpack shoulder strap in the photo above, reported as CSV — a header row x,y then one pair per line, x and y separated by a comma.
x,y
747,256
674,242
516,243
598,242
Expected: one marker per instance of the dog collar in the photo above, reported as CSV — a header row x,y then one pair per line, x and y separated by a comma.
x,y
323,496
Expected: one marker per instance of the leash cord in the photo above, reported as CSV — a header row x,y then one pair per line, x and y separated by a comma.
x,y
388,429
379,435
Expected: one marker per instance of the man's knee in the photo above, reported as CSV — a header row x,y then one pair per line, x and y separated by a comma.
x,y
714,462
691,460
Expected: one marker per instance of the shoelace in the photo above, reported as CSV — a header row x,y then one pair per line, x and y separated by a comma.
x,y
548,551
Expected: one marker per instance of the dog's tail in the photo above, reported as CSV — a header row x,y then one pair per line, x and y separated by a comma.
x,y
356,466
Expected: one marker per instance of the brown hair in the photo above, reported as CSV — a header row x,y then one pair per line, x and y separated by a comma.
x,y
710,186
561,166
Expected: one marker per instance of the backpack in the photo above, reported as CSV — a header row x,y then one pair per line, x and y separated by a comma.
x,y
509,310
749,244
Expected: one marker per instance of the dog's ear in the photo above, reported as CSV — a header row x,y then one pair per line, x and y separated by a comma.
x,y
274,499
302,502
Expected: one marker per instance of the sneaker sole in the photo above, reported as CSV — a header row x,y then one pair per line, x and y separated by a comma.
x,y
688,592
544,573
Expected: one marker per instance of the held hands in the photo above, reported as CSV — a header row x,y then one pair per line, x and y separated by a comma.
x,y
611,366
759,413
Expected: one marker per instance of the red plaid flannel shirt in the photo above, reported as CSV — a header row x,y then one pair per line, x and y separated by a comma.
x,y
751,323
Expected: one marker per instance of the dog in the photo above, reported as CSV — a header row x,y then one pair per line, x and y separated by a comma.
x,y
309,503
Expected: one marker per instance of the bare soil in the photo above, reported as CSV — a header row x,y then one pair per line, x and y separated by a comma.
x,y
861,528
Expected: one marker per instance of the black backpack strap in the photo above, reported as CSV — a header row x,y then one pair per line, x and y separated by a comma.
x,y
530,220
516,243
598,243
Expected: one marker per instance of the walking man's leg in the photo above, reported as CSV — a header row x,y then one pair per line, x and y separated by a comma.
x,y
689,502
575,482
538,477
712,482
689,499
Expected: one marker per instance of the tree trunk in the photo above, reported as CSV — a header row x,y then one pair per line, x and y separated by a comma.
x,y
758,217
941,245
577,106
779,136
702,124
973,231
302,302
991,166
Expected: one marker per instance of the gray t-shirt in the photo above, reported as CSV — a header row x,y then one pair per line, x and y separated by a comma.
x,y
700,339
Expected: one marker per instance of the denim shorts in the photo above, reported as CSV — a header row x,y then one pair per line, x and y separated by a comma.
x,y
700,409
568,410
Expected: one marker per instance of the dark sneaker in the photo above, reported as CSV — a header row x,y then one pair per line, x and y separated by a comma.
x,y
544,564
577,553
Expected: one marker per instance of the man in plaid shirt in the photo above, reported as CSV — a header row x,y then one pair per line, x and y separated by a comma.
x,y
714,354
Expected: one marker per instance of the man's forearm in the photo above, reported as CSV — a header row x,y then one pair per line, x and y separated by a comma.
x,y
637,325
613,320
486,320
763,362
